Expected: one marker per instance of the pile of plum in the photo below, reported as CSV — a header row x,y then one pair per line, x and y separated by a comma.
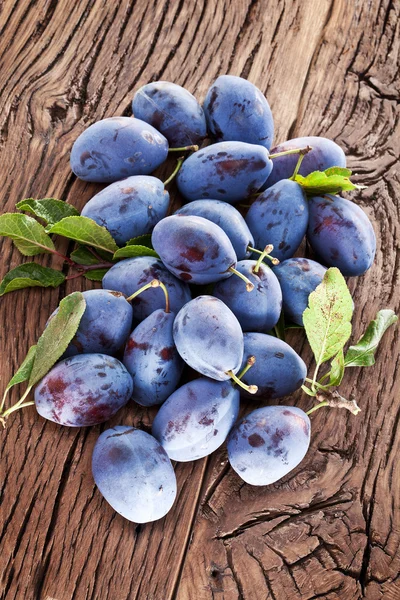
x,y
210,302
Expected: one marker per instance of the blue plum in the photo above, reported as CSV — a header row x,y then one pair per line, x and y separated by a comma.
x,y
341,234
258,310
269,443
278,369
225,216
196,419
128,276
83,390
194,249
236,109
117,147
153,360
229,171
279,216
324,154
172,110
134,474
209,338
129,208
298,277
105,325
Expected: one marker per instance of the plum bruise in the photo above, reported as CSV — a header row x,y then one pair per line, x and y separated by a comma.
x,y
341,234
173,111
134,474
196,419
279,216
194,249
237,110
209,338
152,359
269,443
225,216
229,171
324,154
278,369
128,276
104,326
298,277
129,208
258,310
116,148
83,390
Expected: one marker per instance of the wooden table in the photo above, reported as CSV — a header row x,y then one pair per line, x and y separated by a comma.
x,y
331,529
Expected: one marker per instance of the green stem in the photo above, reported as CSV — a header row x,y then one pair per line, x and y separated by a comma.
x,y
153,284
193,147
287,152
303,152
17,405
249,285
314,383
250,362
175,171
316,407
252,389
307,391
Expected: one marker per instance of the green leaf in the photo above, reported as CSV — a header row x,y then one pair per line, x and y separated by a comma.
x,y
331,181
24,371
85,231
128,251
83,256
28,235
96,274
50,210
141,240
363,353
327,320
337,369
59,332
30,275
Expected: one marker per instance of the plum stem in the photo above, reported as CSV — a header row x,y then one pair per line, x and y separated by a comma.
x,y
302,154
251,389
175,171
250,362
314,408
249,285
293,151
154,283
193,147
335,400
16,406
263,254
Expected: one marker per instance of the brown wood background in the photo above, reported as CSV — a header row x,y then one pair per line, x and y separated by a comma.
x,y
331,529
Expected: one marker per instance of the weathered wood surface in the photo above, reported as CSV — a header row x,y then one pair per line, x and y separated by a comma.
x,y
332,528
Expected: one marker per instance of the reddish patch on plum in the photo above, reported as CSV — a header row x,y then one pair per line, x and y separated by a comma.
x,y
167,353
193,254
255,440
185,276
133,344
84,157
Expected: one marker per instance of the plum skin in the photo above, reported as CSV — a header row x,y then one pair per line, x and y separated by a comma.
x,y
341,234
83,390
278,370
237,110
196,418
134,474
129,275
228,171
269,443
117,147
298,277
130,207
152,359
172,110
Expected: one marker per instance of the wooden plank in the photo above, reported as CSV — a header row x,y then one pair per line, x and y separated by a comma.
x,y
330,529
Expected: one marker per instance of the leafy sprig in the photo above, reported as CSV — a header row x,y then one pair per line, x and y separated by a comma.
x,y
96,252
327,323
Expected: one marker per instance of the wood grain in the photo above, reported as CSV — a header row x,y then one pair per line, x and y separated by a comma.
x,y
331,529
